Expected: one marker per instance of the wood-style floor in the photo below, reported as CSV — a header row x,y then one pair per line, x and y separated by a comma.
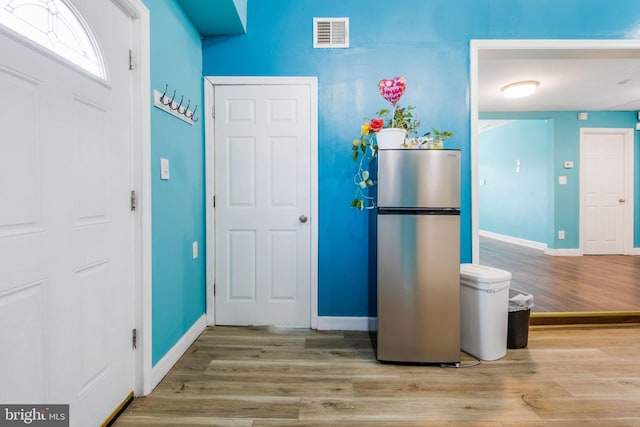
x,y
263,377
568,283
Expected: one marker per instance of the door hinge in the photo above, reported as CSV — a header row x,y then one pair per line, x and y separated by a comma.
x,y
134,338
214,289
133,200
214,201
213,111
132,63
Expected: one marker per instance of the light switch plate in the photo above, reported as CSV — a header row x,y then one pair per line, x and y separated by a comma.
x,y
568,164
562,180
164,168
194,249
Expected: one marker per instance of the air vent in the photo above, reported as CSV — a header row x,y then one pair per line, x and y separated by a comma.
x,y
330,32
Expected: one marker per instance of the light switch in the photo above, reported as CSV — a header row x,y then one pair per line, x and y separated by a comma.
x,y
194,249
568,164
164,168
562,180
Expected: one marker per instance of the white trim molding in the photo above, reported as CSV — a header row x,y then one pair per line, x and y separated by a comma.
x,y
165,364
210,240
514,240
141,138
337,323
530,244
563,252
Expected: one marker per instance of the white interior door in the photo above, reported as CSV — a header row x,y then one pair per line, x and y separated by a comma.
x,y
263,205
66,227
603,191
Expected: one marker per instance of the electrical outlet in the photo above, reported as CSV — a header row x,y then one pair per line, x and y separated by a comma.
x,y
560,234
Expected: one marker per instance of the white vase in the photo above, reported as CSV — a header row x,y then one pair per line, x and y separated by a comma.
x,y
389,138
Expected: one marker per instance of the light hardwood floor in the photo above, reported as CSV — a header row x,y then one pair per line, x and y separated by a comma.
x,y
275,377
568,283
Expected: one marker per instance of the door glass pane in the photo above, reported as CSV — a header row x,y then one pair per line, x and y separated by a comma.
x,y
55,25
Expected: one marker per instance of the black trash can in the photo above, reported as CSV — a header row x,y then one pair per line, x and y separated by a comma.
x,y
520,304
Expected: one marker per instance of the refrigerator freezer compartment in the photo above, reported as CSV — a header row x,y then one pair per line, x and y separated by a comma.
x,y
419,178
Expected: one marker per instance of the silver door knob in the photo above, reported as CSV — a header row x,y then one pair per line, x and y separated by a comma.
x,y
303,218
621,200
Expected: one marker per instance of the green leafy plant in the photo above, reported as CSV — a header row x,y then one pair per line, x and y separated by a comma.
x,y
400,117
364,149
438,136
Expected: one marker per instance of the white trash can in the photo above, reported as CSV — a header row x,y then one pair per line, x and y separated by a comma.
x,y
484,308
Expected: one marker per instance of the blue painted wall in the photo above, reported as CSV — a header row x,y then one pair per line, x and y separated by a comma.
x,y
178,212
516,200
566,146
427,42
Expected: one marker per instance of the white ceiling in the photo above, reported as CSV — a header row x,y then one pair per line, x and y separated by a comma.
x,y
570,79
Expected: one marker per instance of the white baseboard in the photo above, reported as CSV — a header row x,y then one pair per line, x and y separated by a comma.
x,y
514,240
166,363
563,252
635,251
335,323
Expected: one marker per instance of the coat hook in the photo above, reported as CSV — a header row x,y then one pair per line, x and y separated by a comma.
x,y
184,109
179,105
166,87
170,102
193,113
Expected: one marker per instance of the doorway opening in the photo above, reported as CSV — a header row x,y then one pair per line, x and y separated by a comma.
x,y
556,52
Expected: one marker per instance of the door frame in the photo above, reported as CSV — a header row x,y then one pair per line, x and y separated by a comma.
x,y
210,82
141,183
628,153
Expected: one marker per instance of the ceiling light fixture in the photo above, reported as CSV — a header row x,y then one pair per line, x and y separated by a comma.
x,y
520,89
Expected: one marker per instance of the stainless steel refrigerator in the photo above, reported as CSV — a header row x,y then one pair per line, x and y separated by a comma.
x,y
418,256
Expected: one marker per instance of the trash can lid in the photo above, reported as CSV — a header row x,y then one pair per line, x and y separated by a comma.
x,y
483,274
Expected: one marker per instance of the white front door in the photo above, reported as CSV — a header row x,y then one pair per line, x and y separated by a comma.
x,y
603,191
66,226
263,205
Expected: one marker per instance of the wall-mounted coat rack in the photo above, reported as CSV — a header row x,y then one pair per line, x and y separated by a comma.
x,y
174,107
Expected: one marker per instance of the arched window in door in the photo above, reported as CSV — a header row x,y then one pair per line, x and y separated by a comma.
x,y
57,26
